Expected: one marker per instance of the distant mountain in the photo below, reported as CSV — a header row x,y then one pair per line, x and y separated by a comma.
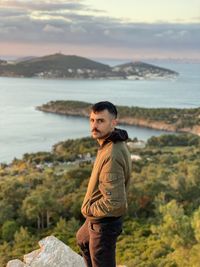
x,y
21,59
140,70
61,61
75,67
56,66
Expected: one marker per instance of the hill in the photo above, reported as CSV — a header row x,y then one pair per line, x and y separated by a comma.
x,y
53,66
75,67
21,59
140,70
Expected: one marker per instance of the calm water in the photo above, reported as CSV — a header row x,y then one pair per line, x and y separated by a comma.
x,y
24,129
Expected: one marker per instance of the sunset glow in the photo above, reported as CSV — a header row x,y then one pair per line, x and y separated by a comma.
x,y
94,28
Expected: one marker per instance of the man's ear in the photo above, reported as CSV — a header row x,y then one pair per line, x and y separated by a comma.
x,y
114,122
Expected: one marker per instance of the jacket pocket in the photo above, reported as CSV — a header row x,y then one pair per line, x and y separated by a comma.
x,y
112,186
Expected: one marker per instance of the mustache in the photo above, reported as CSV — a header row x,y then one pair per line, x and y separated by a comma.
x,y
95,130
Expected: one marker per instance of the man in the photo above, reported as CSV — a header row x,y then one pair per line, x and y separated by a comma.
x,y
105,201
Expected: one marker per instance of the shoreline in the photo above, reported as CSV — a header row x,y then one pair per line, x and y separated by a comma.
x,y
130,121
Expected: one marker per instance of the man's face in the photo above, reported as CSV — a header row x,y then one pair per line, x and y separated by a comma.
x,y
102,124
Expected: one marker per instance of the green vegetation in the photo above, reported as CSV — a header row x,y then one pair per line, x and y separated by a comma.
x,y
42,195
178,118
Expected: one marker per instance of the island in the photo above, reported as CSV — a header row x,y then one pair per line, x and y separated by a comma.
x,y
168,119
76,67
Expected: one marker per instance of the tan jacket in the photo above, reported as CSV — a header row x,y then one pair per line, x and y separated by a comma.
x,y
107,188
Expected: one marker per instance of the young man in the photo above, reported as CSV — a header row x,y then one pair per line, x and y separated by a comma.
x,y
105,201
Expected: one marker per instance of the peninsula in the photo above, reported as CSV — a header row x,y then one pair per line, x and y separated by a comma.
x,y
75,67
168,119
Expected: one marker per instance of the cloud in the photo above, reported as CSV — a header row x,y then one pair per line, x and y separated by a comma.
x,y
42,5
52,29
77,29
173,34
73,23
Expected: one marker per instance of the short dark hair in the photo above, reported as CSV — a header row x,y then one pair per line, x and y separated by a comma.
x,y
100,106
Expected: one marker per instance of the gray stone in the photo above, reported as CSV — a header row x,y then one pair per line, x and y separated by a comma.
x,y
15,263
28,258
52,253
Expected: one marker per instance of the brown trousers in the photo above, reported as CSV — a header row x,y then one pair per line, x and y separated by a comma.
x,y
97,242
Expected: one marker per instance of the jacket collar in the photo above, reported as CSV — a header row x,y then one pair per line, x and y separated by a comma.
x,y
118,135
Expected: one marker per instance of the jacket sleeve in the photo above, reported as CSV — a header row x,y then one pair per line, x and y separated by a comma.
x,y
112,187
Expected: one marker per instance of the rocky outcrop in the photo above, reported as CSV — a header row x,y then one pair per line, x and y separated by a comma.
x,y
193,130
52,253
15,263
159,125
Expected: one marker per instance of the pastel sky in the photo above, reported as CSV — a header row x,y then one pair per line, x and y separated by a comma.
x,y
121,29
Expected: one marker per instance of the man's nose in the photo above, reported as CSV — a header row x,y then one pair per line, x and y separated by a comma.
x,y
94,124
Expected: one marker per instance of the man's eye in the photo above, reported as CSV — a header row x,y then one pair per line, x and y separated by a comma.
x,y
100,121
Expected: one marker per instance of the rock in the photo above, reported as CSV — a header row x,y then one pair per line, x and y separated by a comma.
x,y
52,253
15,263
28,258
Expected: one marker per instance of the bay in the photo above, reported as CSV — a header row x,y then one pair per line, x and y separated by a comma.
x,y
23,129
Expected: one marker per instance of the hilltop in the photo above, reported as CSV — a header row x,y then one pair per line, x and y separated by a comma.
x,y
75,67
41,195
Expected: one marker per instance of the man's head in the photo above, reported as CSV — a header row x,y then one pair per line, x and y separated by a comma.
x,y
103,119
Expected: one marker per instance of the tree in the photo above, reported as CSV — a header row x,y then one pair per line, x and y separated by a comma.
x,y
175,229
6,211
8,230
196,224
23,243
5,253
40,205
66,231
61,231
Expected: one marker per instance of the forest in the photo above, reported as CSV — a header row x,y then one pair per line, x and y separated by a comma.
x,y
41,195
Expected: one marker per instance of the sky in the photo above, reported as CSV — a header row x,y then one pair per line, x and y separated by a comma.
x,y
110,29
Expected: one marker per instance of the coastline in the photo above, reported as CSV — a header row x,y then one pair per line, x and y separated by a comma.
x,y
125,120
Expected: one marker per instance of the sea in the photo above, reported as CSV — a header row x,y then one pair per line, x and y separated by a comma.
x,y
23,129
